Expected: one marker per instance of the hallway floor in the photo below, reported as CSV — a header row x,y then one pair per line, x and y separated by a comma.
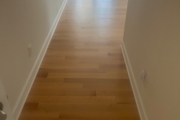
x,y
83,74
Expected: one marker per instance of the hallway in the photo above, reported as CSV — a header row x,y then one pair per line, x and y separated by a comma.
x,y
83,74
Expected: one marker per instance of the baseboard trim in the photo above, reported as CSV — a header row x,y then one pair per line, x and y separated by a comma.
x,y
136,92
26,89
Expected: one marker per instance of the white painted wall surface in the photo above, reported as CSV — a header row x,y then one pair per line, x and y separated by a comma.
x,y
152,42
23,22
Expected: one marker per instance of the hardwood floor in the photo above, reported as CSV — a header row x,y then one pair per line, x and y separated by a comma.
x,y
83,75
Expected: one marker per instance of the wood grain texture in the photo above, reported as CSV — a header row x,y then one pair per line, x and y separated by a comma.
x,y
83,75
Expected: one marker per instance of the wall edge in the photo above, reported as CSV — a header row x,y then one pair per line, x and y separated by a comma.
x,y
138,98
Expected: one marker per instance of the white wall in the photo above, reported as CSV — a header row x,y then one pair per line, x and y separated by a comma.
x,y
152,42
23,22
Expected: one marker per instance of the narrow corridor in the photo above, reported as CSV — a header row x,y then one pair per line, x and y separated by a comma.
x,y
83,74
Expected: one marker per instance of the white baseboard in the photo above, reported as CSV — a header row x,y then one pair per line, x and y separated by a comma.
x,y
134,86
26,89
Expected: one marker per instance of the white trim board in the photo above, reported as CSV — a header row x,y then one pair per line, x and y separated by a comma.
x,y
26,89
134,86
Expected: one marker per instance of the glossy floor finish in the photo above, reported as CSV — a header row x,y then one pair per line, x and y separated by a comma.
x,y
83,75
